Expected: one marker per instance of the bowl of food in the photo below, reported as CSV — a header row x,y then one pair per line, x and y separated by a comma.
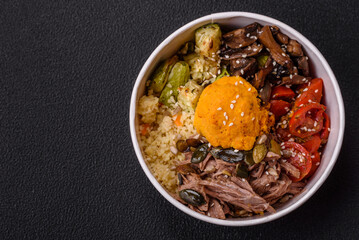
x,y
236,119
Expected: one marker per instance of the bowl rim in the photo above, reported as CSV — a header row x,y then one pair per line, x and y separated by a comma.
x,y
242,222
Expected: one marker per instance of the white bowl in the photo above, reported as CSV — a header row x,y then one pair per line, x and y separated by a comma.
x,y
319,68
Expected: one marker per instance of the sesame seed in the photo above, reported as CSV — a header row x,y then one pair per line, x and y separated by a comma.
x,y
267,184
305,89
312,156
316,90
242,72
219,72
171,92
231,106
291,76
237,61
240,45
219,109
234,101
226,56
224,122
247,35
283,54
236,83
242,114
244,55
317,163
274,63
240,82
328,129
243,180
226,117
209,144
253,118
225,113
309,101
236,150
231,124
285,121
249,89
267,173
315,123
237,96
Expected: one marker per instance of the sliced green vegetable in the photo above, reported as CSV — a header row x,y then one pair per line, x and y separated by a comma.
x,y
208,39
200,154
178,77
223,73
160,76
192,197
259,152
261,60
274,147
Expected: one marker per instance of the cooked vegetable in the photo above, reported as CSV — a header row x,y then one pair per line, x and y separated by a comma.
x,y
259,152
266,38
260,76
224,72
160,76
182,145
188,96
274,147
242,171
187,48
279,108
192,197
315,164
265,92
312,144
208,39
299,157
231,155
324,134
242,37
295,80
234,53
294,48
261,60
307,120
243,66
200,154
310,92
282,93
178,77
201,68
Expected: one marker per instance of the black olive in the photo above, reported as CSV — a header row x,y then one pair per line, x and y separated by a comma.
x,y
230,155
192,197
193,142
242,171
182,145
200,154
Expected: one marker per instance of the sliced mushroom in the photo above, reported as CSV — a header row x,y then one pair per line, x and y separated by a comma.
x,y
230,53
303,65
274,30
260,76
243,66
294,48
295,79
266,38
242,37
282,38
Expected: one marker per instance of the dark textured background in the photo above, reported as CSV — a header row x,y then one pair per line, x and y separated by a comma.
x,y
67,167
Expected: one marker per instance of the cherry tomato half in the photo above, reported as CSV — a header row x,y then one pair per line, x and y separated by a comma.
x,y
279,108
299,157
282,93
307,120
312,144
311,92
315,164
324,134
